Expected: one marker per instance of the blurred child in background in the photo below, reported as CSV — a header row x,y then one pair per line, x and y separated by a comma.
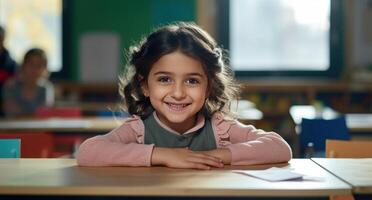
x,y
30,88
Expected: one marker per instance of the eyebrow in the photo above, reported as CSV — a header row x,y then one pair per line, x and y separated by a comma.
x,y
169,73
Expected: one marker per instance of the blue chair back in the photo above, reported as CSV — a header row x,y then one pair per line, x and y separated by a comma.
x,y
317,131
10,148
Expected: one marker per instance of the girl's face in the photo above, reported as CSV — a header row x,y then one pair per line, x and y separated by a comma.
x,y
177,88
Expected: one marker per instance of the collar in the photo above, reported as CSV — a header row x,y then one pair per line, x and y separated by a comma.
x,y
199,124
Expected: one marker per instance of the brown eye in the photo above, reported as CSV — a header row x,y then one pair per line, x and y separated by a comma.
x,y
192,81
164,79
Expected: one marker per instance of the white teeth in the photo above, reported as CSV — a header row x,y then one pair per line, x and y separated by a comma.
x,y
176,107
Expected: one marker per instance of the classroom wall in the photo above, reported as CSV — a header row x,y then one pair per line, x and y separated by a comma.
x,y
127,20
358,40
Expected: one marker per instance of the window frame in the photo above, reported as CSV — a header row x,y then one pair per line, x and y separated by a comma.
x,y
66,70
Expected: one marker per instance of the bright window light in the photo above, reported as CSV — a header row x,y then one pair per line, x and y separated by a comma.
x,y
280,35
33,23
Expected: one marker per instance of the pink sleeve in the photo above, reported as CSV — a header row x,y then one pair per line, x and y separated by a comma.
x,y
249,145
123,146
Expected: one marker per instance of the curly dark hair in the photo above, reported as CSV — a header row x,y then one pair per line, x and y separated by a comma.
x,y
191,40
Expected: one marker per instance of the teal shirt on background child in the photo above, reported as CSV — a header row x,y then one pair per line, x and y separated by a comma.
x,y
12,91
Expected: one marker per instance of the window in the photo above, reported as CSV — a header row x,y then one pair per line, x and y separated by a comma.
x,y
33,23
282,37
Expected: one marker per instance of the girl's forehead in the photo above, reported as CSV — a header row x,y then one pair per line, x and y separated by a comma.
x,y
177,63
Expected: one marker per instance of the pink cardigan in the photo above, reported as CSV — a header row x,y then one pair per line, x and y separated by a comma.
x,y
124,146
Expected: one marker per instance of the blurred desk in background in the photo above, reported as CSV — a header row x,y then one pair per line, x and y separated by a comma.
x,y
84,124
249,115
90,108
246,111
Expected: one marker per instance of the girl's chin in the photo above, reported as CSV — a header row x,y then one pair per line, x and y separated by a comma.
x,y
176,119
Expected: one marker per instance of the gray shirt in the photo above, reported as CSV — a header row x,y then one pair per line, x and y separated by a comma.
x,y
202,139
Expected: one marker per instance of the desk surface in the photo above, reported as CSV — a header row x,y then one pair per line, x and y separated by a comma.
x,y
63,177
85,124
357,172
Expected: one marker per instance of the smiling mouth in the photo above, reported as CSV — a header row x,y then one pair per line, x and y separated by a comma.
x,y
177,107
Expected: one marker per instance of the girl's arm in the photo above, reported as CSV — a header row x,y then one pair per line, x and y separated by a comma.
x,y
117,148
254,146
246,145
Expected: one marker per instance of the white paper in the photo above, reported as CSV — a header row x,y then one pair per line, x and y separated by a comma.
x,y
272,174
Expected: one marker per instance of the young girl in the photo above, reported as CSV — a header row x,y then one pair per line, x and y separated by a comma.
x,y
179,93
30,88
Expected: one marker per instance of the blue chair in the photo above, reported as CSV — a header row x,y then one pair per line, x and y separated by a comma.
x,y
10,148
315,132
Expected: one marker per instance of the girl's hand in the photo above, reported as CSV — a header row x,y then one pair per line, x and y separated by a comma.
x,y
222,154
184,158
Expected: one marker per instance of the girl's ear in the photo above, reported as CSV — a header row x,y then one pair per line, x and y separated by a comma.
x,y
145,91
144,88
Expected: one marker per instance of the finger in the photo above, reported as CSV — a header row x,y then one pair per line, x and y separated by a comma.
x,y
207,156
205,161
200,166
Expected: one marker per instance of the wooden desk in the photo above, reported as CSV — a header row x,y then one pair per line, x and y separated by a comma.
x,y
357,172
357,123
63,177
85,124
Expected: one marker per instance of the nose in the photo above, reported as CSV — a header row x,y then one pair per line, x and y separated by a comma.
x,y
178,91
